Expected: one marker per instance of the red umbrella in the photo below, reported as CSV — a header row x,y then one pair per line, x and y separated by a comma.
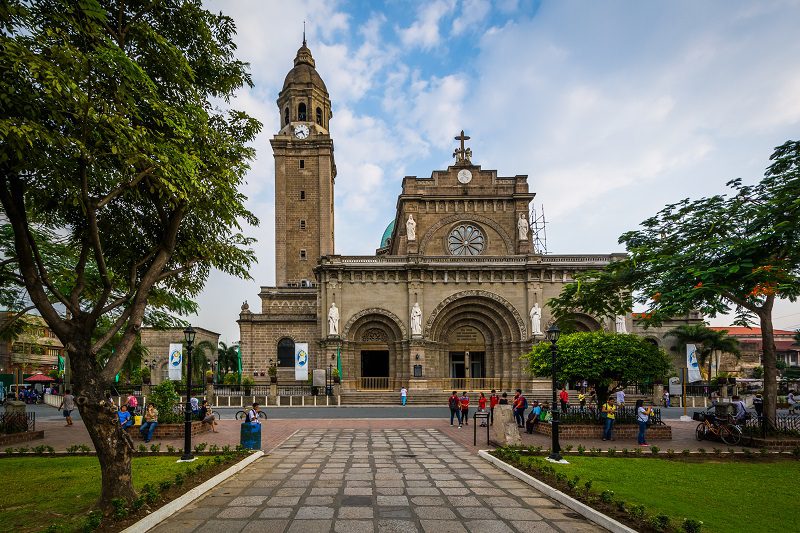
x,y
39,378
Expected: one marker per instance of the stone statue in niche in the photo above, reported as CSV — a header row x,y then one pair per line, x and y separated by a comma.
x,y
522,227
333,320
416,319
411,228
619,325
536,319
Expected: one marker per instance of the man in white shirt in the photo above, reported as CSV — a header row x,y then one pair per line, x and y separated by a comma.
x,y
620,398
403,395
252,414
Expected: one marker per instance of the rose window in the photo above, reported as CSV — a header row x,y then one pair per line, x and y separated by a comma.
x,y
465,240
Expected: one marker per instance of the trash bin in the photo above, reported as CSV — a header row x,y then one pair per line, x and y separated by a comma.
x,y
251,436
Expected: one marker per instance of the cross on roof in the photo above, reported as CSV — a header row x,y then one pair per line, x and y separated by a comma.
x,y
462,154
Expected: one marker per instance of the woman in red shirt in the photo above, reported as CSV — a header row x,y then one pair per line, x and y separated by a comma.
x,y
494,399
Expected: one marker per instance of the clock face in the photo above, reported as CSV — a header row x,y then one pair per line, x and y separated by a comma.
x,y
301,131
464,176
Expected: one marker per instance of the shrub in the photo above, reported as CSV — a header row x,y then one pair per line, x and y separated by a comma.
x,y
702,451
165,485
142,448
607,496
562,477
231,378
199,448
637,451
637,511
178,479
120,508
170,448
612,452
588,485
9,450
625,451
572,483
150,493
155,448
670,453
567,448
138,503
594,452
84,449
660,522
581,449
23,449
796,451
72,449
686,453
748,453
764,452
731,451
692,526
39,450
92,521
214,449
164,397
654,449
622,506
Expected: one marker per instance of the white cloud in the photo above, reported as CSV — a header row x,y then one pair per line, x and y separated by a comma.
x,y
424,31
472,13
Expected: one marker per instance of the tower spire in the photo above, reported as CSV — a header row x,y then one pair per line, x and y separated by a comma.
x,y
304,33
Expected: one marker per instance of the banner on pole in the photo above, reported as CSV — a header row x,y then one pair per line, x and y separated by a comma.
x,y
301,361
175,362
691,364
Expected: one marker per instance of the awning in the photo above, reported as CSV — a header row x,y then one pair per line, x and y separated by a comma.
x,y
39,378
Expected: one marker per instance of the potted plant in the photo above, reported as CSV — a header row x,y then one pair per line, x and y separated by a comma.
x,y
209,376
146,375
273,374
336,377
247,383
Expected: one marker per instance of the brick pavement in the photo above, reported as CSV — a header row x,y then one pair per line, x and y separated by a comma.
x,y
372,479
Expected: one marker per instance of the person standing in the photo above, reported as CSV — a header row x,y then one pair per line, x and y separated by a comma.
x,y
150,423
455,412
563,396
621,398
758,405
463,404
582,401
643,417
666,397
519,405
741,410
609,410
68,405
403,395
792,401
493,401
482,407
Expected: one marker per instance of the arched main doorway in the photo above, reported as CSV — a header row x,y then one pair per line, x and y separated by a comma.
x,y
374,351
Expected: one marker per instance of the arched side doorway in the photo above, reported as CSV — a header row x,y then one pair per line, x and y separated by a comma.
x,y
484,329
373,356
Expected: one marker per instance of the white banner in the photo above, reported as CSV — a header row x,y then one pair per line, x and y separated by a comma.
x,y
691,364
175,361
301,361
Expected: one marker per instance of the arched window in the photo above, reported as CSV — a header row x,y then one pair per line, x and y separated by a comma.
x,y
286,352
286,116
319,116
301,111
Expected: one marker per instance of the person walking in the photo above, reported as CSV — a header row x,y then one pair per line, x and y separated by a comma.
x,y
609,411
494,399
666,397
563,396
643,417
67,406
455,412
403,395
149,423
463,404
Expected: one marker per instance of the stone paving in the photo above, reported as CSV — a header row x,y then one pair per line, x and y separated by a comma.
x,y
367,480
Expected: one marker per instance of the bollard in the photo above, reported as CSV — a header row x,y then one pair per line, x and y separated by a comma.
x,y
250,435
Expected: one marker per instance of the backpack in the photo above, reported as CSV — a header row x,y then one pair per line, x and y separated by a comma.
x,y
524,403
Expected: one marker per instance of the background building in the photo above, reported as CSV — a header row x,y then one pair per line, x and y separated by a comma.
x,y
157,341
36,349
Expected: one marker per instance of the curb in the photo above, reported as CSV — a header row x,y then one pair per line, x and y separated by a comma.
x,y
579,507
159,515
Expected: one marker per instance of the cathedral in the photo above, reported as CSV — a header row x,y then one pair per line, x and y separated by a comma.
x,y
455,293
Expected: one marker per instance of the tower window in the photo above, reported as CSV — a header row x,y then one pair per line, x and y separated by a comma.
x,y
302,163
302,195
286,116
303,255
302,224
301,111
319,116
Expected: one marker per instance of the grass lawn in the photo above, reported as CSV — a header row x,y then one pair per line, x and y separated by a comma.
x,y
39,491
728,497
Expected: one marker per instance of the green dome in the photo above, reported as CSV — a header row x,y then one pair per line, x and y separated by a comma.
x,y
387,234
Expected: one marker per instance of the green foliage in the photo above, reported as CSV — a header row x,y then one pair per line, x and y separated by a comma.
x,y
602,358
247,381
93,520
142,448
660,522
607,496
637,511
232,378
692,526
155,448
165,398
120,508
200,447
758,372
227,357
654,450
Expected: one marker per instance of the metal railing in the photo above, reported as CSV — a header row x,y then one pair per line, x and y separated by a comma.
x,y
471,384
786,425
17,422
241,390
296,390
376,383
592,415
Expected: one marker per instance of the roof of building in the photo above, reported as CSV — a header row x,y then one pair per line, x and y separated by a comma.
x,y
387,234
734,331
304,71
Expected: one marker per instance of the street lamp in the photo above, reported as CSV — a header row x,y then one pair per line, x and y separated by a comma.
x,y
188,334
555,453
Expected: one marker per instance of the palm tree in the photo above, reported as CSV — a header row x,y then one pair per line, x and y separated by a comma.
x,y
227,357
708,342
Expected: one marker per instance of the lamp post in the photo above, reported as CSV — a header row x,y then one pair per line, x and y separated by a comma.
x,y
188,334
555,453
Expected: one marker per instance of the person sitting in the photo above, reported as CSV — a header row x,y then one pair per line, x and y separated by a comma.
x,y
125,418
149,423
195,405
252,414
533,417
741,410
207,416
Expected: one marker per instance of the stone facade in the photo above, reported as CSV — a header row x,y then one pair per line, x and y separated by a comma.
x,y
157,342
467,260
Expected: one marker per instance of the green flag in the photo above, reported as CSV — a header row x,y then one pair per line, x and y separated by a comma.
x,y
239,361
339,361
61,363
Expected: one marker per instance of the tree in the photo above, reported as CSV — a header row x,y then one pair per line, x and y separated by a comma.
x,y
727,253
605,360
119,179
708,340
227,357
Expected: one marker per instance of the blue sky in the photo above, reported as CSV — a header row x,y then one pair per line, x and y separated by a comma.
x,y
612,109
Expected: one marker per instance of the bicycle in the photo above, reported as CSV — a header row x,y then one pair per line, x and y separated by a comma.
x,y
241,415
723,428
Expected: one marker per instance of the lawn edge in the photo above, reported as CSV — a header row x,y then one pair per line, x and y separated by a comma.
x,y
579,507
162,513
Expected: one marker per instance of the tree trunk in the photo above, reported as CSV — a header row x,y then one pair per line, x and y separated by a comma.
x,y
769,362
114,447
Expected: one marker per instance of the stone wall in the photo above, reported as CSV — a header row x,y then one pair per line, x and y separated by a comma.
x,y
592,431
157,343
170,431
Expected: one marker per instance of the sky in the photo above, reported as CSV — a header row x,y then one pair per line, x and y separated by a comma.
x,y
613,109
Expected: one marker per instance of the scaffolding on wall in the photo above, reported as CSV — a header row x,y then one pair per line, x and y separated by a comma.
x,y
538,229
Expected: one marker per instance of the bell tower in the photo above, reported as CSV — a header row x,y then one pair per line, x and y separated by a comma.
x,y
304,174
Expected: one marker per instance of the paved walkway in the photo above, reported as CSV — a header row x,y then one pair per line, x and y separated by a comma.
x,y
367,480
